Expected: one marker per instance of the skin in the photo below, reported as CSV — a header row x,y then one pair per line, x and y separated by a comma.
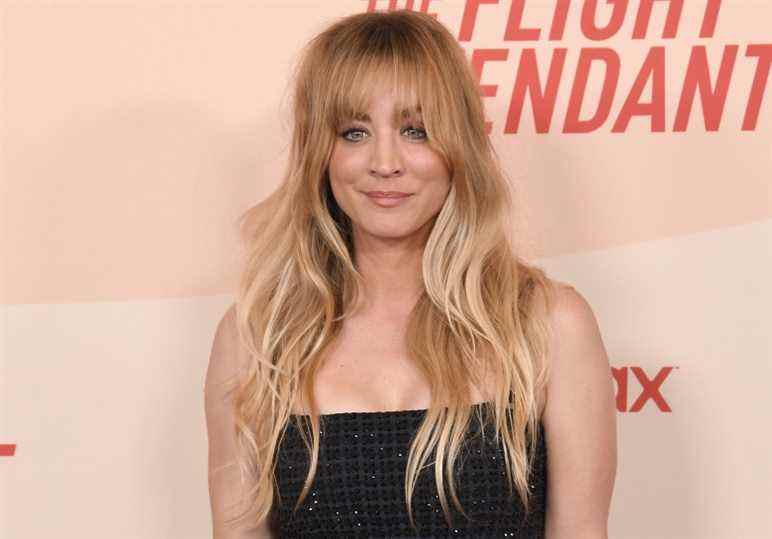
x,y
578,408
579,418
385,152
381,155
579,421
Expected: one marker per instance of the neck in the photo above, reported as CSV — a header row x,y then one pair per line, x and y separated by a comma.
x,y
391,271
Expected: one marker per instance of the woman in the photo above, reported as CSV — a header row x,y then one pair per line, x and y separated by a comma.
x,y
384,371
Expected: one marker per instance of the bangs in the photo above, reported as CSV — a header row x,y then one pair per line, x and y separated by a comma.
x,y
354,89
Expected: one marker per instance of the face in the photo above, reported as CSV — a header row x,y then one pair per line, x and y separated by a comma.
x,y
375,154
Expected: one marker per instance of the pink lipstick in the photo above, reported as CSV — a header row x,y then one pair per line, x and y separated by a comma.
x,y
388,199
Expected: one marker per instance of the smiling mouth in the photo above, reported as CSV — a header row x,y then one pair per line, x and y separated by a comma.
x,y
386,199
387,194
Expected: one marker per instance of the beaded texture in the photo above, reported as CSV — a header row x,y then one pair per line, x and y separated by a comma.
x,y
358,490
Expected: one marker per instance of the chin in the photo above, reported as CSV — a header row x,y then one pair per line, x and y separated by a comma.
x,y
389,234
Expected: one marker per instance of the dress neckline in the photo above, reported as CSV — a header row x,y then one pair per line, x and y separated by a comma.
x,y
378,413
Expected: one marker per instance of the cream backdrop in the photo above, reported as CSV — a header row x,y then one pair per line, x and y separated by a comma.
x,y
133,135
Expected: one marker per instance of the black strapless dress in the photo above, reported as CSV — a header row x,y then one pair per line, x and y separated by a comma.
x,y
358,490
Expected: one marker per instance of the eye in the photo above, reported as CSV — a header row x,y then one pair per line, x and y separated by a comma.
x,y
417,133
419,130
345,134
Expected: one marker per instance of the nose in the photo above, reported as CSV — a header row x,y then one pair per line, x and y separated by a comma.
x,y
386,159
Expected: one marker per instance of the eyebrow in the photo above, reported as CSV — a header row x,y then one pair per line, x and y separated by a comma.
x,y
405,113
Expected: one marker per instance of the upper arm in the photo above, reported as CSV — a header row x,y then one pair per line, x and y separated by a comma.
x,y
579,422
227,359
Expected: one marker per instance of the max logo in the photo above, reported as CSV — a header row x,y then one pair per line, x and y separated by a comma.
x,y
7,450
650,388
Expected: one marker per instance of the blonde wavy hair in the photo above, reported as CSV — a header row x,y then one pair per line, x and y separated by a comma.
x,y
476,318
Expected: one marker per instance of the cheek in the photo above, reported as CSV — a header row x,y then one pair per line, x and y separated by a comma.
x,y
439,195
342,188
344,175
436,177
430,165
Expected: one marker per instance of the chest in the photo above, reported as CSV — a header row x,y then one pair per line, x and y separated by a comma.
x,y
368,367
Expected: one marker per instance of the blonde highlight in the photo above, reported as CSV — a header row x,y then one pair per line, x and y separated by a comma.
x,y
478,317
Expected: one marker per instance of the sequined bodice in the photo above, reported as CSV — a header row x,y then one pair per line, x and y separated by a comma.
x,y
358,490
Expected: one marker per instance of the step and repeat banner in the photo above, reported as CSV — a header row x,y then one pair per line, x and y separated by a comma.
x,y
638,135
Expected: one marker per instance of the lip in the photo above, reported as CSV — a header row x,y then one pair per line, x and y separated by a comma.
x,y
388,199
387,194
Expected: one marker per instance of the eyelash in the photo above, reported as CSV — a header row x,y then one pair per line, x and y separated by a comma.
x,y
345,133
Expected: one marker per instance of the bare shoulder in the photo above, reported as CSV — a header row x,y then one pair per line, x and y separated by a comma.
x,y
579,419
570,312
577,352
